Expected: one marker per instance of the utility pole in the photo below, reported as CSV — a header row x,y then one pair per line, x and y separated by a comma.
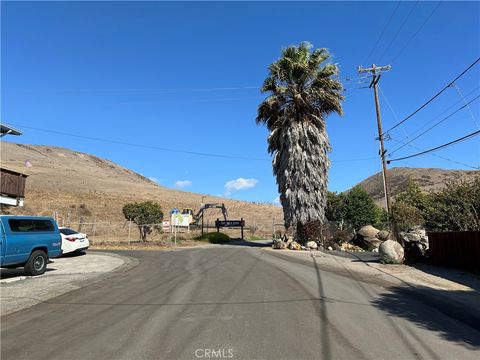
x,y
376,70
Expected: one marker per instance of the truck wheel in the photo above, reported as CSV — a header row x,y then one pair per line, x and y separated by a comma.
x,y
37,263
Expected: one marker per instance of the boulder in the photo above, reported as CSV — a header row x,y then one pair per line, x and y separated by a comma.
x,y
312,245
278,244
367,238
411,237
369,243
330,248
383,235
424,240
391,252
294,246
418,230
368,231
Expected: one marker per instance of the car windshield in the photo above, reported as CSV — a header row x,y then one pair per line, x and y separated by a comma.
x,y
68,231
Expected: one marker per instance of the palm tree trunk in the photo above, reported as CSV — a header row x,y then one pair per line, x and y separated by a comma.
x,y
301,167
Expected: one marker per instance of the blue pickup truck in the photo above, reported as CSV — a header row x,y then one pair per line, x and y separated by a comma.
x,y
28,241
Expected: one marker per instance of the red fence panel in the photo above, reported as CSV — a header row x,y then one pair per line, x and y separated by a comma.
x,y
458,249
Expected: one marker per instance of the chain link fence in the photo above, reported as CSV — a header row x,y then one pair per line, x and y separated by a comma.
x,y
127,232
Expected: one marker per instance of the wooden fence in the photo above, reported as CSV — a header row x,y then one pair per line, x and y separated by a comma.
x,y
458,249
12,183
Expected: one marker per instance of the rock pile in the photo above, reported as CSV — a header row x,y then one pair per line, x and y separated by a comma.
x,y
287,242
368,237
416,244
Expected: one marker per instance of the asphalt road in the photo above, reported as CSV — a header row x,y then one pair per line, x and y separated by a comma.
x,y
234,302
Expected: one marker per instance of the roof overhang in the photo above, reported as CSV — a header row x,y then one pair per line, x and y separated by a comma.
x,y
8,130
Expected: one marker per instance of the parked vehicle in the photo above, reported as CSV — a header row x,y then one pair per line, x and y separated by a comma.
x,y
73,241
28,241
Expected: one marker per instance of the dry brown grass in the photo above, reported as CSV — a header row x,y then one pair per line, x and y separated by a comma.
x,y
427,179
84,188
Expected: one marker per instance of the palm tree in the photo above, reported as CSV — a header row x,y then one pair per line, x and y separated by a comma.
x,y
303,91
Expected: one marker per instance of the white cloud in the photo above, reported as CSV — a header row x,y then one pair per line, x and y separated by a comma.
x,y
239,184
182,183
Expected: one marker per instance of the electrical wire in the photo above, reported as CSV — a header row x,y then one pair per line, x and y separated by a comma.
x,y
433,98
438,147
382,32
153,147
411,142
118,142
438,156
162,90
443,112
416,32
435,125
399,30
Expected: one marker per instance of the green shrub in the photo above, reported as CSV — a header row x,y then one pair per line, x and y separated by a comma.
x,y
214,238
405,216
360,209
454,208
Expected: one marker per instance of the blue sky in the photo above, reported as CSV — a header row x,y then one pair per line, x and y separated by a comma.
x,y
185,76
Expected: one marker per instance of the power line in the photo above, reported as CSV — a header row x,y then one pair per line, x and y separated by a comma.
x,y
416,32
456,87
383,32
118,142
435,125
438,156
443,112
434,97
408,137
153,147
438,147
399,30
161,90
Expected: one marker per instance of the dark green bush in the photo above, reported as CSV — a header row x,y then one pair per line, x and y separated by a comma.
x,y
214,238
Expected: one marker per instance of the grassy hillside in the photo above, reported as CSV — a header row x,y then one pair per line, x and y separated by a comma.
x,y
85,188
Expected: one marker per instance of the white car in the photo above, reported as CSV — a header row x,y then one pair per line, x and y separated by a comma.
x,y
73,241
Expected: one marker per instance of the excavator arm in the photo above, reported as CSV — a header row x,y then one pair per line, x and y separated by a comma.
x,y
198,216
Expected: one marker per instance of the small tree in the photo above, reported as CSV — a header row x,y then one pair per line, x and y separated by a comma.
x,y
335,207
360,209
144,215
456,207
405,216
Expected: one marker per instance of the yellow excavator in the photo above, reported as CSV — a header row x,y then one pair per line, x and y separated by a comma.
x,y
196,219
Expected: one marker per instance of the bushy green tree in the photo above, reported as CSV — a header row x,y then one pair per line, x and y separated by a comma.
x,y
405,216
454,208
355,209
335,207
144,215
360,209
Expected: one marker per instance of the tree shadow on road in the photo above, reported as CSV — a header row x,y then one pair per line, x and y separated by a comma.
x,y
459,276
422,305
247,243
